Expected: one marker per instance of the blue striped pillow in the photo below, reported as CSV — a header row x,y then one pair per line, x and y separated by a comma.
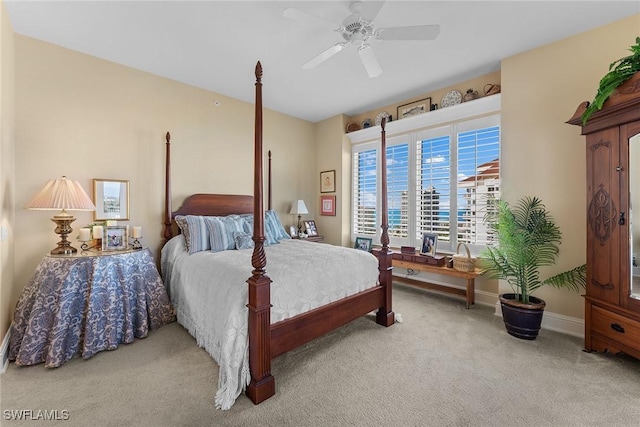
x,y
221,231
275,226
196,235
269,234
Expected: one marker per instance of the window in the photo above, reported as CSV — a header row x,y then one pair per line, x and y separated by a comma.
x,y
440,180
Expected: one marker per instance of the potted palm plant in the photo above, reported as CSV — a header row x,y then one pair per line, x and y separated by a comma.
x,y
526,238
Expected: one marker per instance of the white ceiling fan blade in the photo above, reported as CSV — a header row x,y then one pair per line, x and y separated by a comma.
x,y
324,56
416,32
369,60
298,15
370,10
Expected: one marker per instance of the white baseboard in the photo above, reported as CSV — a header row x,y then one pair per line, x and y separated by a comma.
x,y
4,351
557,322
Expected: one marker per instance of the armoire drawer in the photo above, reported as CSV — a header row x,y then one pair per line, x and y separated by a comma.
x,y
622,329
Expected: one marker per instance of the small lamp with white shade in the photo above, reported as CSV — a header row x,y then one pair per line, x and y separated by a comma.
x,y
299,208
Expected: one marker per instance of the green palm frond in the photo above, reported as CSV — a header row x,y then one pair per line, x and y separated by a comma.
x,y
527,238
619,72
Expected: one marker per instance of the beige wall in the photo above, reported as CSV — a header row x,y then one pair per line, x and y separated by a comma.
x,y
8,293
86,118
328,154
542,155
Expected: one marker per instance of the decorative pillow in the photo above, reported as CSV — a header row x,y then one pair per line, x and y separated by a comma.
x,y
270,236
275,226
248,223
243,240
196,234
221,231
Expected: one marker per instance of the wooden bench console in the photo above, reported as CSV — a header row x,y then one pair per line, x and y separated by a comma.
x,y
468,293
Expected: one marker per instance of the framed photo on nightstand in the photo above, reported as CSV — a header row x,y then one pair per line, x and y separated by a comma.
x,y
115,238
310,227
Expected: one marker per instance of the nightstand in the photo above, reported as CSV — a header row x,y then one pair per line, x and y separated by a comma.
x,y
316,239
81,304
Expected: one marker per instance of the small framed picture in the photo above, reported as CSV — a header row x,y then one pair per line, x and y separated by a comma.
x,y
310,227
429,243
115,238
328,205
414,108
328,181
111,197
364,243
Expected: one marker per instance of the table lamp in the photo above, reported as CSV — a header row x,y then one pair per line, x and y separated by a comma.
x,y
62,194
299,208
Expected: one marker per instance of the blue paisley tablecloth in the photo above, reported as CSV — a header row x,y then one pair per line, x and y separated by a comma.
x,y
80,305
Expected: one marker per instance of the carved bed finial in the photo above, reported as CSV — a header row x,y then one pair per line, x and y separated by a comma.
x,y
168,138
258,72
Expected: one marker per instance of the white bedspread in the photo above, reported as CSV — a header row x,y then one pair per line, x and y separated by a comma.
x,y
209,292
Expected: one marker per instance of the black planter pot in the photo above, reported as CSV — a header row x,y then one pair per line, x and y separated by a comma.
x,y
522,320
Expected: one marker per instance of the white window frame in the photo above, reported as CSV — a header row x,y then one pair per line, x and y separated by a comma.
x,y
480,113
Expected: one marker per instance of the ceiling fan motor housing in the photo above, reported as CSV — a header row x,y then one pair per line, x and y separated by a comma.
x,y
356,30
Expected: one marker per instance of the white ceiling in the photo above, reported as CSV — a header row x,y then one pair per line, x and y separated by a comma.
x,y
215,44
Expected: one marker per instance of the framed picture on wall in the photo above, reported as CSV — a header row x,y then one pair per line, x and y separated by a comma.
x,y
328,181
328,205
111,197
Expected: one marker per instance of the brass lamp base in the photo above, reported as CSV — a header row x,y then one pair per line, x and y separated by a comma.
x,y
63,228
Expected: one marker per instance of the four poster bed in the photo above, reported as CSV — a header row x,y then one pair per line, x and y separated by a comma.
x,y
331,285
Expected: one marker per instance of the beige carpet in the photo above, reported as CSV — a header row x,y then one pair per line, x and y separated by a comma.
x,y
444,366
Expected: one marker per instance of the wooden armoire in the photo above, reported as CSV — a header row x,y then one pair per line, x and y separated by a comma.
x,y
612,301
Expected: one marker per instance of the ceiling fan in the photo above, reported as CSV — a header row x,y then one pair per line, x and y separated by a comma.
x,y
358,28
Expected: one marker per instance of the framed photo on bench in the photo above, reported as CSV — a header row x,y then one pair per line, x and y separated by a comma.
x,y
429,244
363,243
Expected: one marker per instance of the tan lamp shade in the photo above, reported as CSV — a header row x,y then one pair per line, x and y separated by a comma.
x,y
62,194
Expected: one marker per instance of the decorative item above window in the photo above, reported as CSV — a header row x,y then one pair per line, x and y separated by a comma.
x,y
414,108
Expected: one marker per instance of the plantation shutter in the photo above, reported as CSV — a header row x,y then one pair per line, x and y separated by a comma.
x,y
364,191
478,182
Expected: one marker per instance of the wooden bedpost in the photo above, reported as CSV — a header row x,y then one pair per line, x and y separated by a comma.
x,y
168,232
385,316
263,384
269,183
